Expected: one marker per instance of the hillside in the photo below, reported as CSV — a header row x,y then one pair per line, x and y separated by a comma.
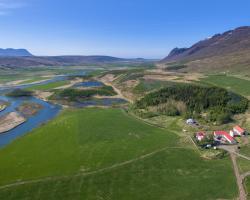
x,y
222,52
14,52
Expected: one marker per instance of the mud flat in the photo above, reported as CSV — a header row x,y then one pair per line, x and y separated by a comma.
x,y
10,121
29,109
43,95
2,107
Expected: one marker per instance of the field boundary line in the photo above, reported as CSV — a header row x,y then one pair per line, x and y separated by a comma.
x,y
91,172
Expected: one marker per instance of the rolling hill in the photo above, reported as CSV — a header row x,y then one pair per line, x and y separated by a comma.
x,y
228,51
32,61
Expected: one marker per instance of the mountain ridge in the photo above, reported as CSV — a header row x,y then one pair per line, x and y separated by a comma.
x,y
232,46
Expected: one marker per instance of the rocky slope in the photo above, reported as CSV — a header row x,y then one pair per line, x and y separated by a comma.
x,y
229,51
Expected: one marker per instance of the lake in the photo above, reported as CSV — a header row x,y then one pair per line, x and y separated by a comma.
x,y
89,84
49,110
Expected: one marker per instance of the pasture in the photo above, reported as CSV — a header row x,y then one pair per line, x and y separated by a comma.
x,y
49,86
107,154
235,84
247,186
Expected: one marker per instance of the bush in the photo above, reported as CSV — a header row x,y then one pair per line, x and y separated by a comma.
x,y
220,116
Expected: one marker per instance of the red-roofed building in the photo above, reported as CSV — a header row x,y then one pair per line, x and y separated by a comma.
x,y
224,137
200,136
237,131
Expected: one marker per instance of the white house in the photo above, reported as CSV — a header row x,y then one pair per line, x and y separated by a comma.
x,y
191,121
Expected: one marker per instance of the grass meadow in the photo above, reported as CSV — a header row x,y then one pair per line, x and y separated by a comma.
x,y
92,154
49,86
235,84
247,186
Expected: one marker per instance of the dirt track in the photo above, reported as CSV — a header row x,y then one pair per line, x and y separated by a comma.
x,y
240,178
242,193
108,81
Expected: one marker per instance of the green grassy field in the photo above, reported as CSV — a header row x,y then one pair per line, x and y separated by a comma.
x,y
245,150
244,165
149,85
107,154
247,186
235,84
49,86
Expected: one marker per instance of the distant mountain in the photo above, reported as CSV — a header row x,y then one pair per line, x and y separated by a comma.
x,y
14,52
30,61
226,51
71,60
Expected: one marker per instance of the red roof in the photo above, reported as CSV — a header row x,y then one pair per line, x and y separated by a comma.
x,y
225,134
200,134
238,128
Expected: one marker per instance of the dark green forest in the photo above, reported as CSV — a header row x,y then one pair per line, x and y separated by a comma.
x,y
74,94
218,103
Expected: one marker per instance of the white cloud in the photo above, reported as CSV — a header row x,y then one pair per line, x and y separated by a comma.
x,y
8,6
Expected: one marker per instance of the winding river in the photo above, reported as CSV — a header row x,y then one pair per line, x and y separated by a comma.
x,y
48,111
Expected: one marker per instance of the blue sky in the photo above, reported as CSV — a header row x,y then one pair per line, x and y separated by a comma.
x,y
124,28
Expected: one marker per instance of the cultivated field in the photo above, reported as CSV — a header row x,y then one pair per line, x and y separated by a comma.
x,y
108,154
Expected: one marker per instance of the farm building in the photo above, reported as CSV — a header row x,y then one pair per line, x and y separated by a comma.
x,y
191,121
224,137
237,131
200,136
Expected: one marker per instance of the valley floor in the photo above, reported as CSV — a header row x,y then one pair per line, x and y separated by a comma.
x,y
107,154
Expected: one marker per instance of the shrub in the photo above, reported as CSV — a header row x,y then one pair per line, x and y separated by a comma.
x,y
220,116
